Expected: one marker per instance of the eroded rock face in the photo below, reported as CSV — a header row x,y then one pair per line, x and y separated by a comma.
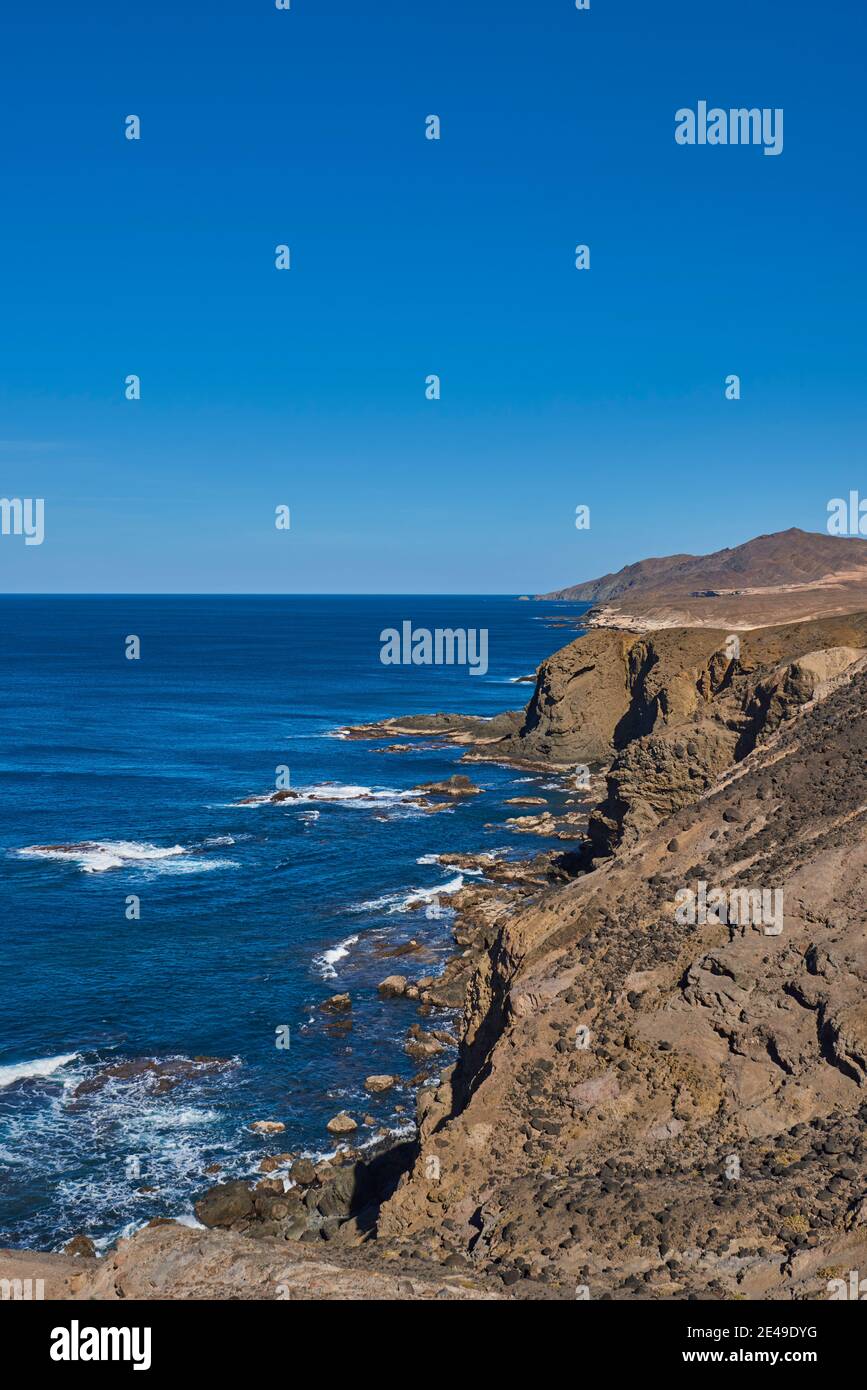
x,y
657,1107
648,1104
168,1261
582,693
685,730
668,712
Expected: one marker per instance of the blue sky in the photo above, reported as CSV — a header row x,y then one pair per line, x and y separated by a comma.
x,y
410,257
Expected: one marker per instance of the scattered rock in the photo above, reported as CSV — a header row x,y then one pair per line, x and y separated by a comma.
x,y
421,1045
303,1172
393,986
378,1084
224,1205
274,1161
338,1003
341,1124
454,787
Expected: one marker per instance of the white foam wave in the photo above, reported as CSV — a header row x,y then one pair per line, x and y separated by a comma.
x,y
193,866
362,797
185,1117
405,902
443,861
337,794
326,962
96,856
42,1066
426,895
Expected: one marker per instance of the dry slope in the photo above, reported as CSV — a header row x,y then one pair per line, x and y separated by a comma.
x,y
710,1138
784,577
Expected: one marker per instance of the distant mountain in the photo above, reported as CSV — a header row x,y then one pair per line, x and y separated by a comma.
x,y
783,577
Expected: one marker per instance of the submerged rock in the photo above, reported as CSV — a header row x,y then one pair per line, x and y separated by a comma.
x,y
159,1077
421,1045
338,1003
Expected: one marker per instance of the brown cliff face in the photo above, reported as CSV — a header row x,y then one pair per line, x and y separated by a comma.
x,y
668,712
700,727
581,695
648,1105
607,688
644,1105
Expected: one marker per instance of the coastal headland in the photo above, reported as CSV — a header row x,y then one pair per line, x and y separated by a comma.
x,y
647,1101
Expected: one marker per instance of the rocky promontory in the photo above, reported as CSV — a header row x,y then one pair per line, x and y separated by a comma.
x,y
643,1072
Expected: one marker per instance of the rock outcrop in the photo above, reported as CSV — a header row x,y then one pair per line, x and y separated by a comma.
x,y
608,689
650,1106
660,1084
168,1261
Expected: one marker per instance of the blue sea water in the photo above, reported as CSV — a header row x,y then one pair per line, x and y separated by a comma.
x,y
256,914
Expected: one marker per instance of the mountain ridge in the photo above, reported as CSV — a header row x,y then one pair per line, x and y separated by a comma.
x,y
782,576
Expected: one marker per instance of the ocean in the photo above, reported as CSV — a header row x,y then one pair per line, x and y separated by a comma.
x,y
249,916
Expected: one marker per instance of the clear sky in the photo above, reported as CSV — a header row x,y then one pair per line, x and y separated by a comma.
x,y
410,257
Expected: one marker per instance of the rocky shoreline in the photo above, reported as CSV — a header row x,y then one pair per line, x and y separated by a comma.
x,y
641,1106
338,1199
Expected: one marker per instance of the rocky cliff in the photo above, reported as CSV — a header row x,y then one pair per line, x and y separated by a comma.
x,y
648,1105
661,1082
668,712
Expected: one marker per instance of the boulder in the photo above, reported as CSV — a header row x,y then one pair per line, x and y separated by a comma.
x,y
453,787
393,986
421,1045
303,1172
341,1124
378,1084
225,1205
273,1161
